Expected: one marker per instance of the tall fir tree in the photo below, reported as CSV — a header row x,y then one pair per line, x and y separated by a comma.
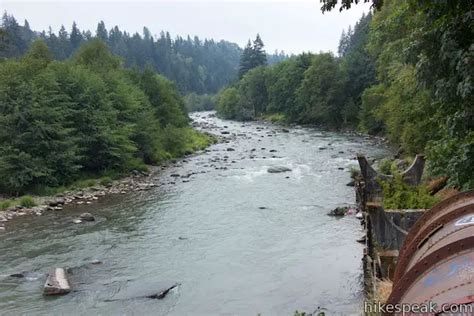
x,y
259,56
101,31
75,37
253,56
246,60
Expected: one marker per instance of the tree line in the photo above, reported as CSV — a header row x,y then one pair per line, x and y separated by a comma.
x,y
404,71
85,116
195,65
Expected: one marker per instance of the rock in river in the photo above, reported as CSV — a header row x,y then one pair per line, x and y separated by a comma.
x,y
278,169
87,217
339,211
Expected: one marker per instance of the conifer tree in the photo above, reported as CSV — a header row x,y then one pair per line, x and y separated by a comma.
x,y
246,60
101,31
259,57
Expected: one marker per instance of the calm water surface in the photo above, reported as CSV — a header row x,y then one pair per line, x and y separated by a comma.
x,y
238,240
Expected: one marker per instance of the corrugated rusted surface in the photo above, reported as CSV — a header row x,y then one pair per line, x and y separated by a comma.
x,y
436,262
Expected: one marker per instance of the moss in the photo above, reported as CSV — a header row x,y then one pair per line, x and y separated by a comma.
x,y
27,201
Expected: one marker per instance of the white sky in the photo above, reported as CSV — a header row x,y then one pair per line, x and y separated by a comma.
x,y
293,26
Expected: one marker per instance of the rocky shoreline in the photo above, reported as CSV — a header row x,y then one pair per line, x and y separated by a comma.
x,y
138,181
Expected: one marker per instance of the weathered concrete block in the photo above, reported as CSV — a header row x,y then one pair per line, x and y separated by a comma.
x,y
57,283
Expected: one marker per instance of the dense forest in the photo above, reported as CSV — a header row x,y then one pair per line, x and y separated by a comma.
x,y
85,116
404,71
195,65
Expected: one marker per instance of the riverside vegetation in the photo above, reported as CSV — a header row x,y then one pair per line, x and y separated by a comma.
x,y
63,121
404,71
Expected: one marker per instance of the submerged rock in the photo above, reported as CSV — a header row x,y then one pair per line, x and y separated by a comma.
x,y
339,211
278,169
28,276
88,217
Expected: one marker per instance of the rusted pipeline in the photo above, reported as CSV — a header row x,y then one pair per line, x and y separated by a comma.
x,y
436,262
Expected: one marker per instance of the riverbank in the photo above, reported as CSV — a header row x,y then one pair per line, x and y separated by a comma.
x,y
93,189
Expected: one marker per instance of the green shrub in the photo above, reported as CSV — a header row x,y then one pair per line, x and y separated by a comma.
x,y
5,204
399,195
385,166
27,201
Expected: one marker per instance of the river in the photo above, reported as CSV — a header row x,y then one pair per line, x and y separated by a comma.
x,y
237,239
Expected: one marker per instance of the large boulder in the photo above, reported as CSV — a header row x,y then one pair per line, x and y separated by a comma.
x,y
278,169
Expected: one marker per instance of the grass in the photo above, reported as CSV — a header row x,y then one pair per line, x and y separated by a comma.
x,y
105,181
197,140
354,172
27,201
275,118
4,204
82,184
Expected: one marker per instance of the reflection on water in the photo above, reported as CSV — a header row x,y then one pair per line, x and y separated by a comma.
x,y
237,239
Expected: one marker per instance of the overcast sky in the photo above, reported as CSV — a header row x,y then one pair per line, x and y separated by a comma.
x,y
293,26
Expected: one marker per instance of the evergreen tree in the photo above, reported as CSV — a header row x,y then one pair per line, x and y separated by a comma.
x,y
246,60
259,57
63,49
101,31
253,56
75,37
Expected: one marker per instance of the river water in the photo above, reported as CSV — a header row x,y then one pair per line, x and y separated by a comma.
x,y
237,239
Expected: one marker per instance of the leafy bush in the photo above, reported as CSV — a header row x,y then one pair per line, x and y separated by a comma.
x,y
27,201
399,195
385,166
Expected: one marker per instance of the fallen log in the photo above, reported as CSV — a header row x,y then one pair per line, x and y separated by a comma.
x,y
57,283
